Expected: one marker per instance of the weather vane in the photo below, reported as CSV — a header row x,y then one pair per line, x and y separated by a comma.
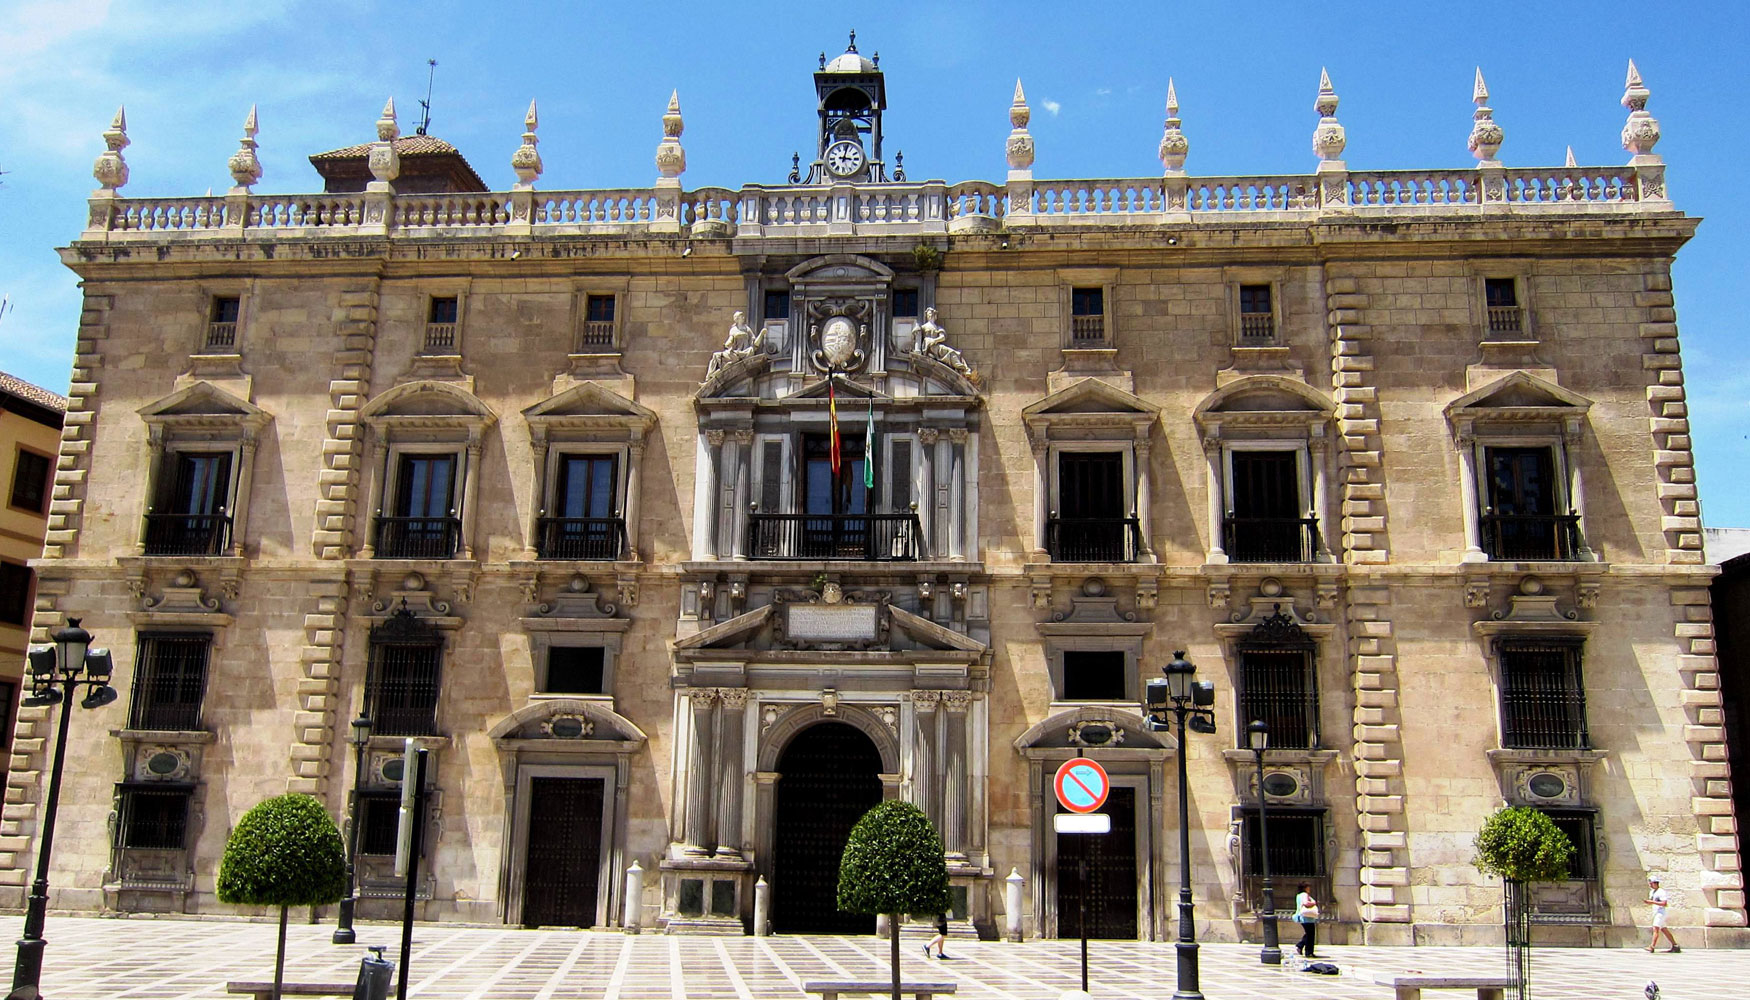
x,y
425,118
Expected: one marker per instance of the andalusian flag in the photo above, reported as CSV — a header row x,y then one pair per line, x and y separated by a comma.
x,y
832,409
869,447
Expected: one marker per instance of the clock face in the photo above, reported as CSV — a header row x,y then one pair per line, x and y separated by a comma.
x,y
844,158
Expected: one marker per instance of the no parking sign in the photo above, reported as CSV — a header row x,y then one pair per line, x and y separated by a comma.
x,y
1081,785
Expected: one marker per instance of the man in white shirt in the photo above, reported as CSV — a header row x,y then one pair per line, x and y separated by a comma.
x,y
1659,900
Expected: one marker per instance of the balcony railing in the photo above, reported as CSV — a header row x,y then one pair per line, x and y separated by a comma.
x,y
581,537
1256,328
859,537
440,338
1506,321
188,534
1093,539
1525,537
1270,539
596,334
221,335
1084,330
418,537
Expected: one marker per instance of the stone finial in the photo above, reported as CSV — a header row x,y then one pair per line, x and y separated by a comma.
x,y
1485,134
384,162
387,127
245,165
110,169
1569,162
1329,139
1174,145
1020,144
526,161
671,159
1641,132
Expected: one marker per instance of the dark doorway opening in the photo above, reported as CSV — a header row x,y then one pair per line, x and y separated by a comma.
x,y
1111,882
828,777
563,874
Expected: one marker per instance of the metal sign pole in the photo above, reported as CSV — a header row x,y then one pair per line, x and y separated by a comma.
x,y
417,822
1083,898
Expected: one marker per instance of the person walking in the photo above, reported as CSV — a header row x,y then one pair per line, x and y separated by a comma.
x,y
1659,900
941,939
1306,914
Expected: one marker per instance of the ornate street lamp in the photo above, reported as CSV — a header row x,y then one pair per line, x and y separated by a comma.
x,y
361,737
55,671
1188,700
1258,738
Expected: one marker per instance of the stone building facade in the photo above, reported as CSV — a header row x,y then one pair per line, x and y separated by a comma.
x,y
1399,459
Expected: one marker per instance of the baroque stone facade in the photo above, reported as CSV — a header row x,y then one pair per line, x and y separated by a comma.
x,y
1400,459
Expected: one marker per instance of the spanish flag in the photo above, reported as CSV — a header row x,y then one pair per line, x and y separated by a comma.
x,y
869,447
832,409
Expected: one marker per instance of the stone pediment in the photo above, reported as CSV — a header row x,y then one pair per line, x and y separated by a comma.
x,y
1093,726
590,406
842,386
1091,402
1261,394
567,720
204,403
428,403
847,624
839,269
1517,396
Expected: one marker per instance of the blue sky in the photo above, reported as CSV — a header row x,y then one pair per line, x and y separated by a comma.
x,y
1095,73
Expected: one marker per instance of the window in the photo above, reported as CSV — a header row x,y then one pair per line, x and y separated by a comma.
x,y
1267,517
1501,300
170,680
1521,520
1297,854
905,302
30,481
1543,697
401,688
15,579
440,324
153,818
1087,312
1278,686
575,670
585,520
1095,675
777,305
190,517
1577,824
8,705
817,513
1257,315
598,323
422,522
222,323
379,822
1092,521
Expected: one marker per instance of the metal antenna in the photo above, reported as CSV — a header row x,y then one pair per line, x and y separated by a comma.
x,y
425,119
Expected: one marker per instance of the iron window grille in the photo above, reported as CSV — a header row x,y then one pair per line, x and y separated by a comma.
x,y
1257,316
1278,683
1297,854
30,482
379,821
1543,695
153,818
401,687
170,681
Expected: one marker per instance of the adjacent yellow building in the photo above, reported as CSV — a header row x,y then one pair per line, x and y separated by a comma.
x,y
30,437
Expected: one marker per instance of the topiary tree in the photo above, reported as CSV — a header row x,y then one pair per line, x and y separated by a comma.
x,y
1521,846
285,852
893,864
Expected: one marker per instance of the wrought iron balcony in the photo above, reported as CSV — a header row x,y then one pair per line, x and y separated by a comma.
x,y
1093,539
188,534
1526,537
581,537
1270,539
418,537
859,537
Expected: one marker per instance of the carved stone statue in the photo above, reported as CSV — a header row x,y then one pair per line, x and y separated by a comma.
x,y
1236,858
932,342
742,342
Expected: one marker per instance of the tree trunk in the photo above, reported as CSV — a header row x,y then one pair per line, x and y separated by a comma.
x,y
893,935
279,959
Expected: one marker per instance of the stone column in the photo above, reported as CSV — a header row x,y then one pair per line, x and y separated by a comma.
x,y
538,509
741,495
629,513
374,496
705,496
927,438
1041,496
954,785
923,758
246,479
1320,491
1571,434
1212,456
731,720
1144,498
1470,501
697,822
470,494
957,494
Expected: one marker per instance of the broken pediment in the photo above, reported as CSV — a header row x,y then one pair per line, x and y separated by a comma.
x,y
1093,726
807,621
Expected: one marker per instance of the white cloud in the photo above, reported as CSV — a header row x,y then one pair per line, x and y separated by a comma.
x,y
1052,107
1103,92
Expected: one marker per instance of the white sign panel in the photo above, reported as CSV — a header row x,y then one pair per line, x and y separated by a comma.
x,y
828,623
1082,823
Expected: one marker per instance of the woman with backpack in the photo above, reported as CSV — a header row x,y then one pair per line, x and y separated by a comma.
x,y
1306,914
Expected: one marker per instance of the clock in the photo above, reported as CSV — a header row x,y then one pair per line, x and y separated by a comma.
x,y
844,158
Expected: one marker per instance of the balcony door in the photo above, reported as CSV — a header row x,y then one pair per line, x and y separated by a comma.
x,y
1092,508
837,526
1522,521
1266,523
421,524
193,519
586,524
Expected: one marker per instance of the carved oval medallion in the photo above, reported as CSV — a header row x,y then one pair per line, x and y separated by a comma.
x,y
838,341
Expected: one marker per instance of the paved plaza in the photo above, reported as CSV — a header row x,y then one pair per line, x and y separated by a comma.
x,y
171,959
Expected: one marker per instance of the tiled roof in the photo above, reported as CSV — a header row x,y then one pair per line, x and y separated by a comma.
x,y
407,145
14,386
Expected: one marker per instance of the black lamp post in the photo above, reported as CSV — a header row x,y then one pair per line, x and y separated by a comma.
x,y
1189,701
361,737
1258,738
55,671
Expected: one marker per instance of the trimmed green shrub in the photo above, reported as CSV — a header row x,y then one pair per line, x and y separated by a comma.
x,y
1523,845
893,863
285,852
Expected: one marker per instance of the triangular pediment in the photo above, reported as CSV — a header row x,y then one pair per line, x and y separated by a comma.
x,y
729,633
1091,395
204,402
1519,391
590,406
931,634
426,399
843,387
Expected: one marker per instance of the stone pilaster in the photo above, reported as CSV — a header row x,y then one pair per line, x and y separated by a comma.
x,y
314,746
1358,445
66,504
1669,420
343,449
731,776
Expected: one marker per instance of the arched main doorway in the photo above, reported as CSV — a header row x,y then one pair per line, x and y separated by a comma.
x,y
828,777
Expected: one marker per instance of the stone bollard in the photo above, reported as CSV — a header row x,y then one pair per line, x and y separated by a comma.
x,y
630,920
882,925
762,908
1012,904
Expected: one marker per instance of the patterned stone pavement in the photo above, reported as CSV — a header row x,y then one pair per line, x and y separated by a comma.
x,y
173,959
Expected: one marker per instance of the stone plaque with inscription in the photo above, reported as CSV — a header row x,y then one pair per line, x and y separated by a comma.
x,y
832,623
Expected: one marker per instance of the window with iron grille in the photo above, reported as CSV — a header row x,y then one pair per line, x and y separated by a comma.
x,y
15,581
30,481
401,690
575,670
1297,853
1543,696
905,302
1094,675
1278,686
1087,314
379,821
170,680
1257,317
153,818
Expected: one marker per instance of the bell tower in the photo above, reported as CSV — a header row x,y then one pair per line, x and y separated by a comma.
x,y
852,93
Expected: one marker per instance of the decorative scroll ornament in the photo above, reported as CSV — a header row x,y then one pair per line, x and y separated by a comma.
x,y
526,161
245,166
405,627
743,342
1485,135
1328,136
1174,145
932,342
1020,143
1641,132
1278,630
384,162
110,169
671,159
839,333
